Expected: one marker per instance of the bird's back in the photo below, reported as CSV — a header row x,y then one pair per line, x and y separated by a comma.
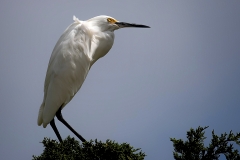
x,y
67,70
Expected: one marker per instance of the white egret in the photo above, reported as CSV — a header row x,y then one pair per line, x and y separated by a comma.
x,y
79,47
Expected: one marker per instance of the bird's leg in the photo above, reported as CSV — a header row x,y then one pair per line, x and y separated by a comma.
x,y
52,123
60,118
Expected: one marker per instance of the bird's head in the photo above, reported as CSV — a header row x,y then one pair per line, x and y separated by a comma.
x,y
107,23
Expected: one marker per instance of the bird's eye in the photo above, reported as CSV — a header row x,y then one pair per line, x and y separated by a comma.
x,y
111,20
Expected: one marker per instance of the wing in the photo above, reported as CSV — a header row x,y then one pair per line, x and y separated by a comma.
x,y
67,70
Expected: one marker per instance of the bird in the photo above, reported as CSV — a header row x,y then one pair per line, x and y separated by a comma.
x,y
78,48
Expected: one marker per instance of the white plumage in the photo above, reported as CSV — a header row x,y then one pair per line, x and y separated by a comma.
x,y
79,47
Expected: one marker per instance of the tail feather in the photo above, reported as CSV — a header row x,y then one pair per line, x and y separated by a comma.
x,y
40,115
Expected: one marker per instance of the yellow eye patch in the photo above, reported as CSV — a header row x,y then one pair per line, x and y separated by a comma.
x,y
111,20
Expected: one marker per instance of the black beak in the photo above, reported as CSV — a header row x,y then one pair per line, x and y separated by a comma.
x,y
124,24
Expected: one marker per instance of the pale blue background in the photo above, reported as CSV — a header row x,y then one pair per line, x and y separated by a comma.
x,y
154,83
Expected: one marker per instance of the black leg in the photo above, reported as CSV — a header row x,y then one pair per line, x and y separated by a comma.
x,y
60,118
52,123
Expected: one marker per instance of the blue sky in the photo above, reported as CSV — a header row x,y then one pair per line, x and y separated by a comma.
x,y
154,83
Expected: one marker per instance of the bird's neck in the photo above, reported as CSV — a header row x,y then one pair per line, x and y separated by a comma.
x,y
101,43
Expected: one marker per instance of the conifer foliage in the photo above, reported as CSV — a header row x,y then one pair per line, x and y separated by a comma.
x,y
70,149
193,148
